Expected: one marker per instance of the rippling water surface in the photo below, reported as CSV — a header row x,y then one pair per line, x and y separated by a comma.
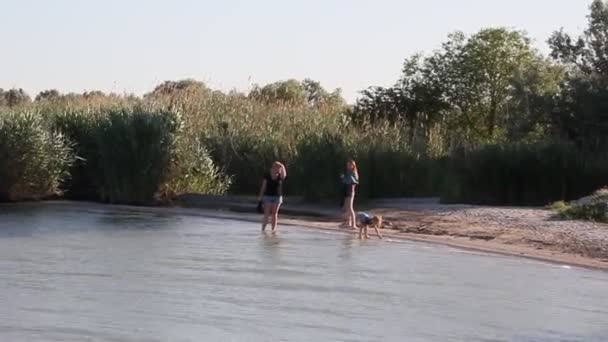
x,y
88,272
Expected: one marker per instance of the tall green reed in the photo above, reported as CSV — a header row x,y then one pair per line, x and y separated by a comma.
x,y
34,160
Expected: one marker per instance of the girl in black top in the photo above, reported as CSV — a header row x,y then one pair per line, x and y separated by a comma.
x,y
271,194
350,180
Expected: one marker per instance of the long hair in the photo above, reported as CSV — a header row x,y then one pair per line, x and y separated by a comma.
x,y
281,167
355,169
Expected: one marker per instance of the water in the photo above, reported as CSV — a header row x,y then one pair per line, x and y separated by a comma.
x,y
87,272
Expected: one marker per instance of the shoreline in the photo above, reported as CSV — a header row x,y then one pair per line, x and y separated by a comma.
x,y
564,259
530,233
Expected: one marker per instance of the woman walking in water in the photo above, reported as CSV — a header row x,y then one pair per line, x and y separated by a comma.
x,y
271,193
350,180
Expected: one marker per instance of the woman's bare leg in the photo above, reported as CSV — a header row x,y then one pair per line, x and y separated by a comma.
x,y
267,212
275,215
352,217
347,217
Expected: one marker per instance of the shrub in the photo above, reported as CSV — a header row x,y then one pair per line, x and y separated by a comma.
x,y
593,208
136,148
80,127
523,174
193,170
315,172
34,161
135,154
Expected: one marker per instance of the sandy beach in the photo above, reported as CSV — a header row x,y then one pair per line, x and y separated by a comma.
x,y
526,232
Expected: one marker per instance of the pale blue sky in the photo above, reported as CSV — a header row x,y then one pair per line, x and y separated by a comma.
x,y
132,45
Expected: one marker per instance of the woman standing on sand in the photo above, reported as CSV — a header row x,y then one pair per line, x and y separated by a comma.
x,y
350,180
271,193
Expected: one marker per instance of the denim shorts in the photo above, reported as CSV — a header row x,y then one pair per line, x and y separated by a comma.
x,y
272,199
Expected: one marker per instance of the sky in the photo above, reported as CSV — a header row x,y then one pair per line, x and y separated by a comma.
x,y
129,46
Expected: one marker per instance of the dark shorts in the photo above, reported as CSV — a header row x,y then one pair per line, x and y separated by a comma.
x,y
272,199
347,190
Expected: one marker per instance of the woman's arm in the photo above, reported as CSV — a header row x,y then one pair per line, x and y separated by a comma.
x,y
262,189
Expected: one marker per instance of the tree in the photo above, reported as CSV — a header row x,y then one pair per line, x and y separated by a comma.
x,y
93,94
381,103
469,85
15,97
183,87
480,72
306,92
289,91
317,96
534,91
48,95
582,111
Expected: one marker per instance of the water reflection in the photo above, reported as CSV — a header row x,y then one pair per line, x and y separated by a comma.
x,y
271,245
135,219
347,247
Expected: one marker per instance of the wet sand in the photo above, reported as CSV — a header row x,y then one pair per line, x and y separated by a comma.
x,y
527,232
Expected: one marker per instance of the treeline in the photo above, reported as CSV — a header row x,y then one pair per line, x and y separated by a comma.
x,y
486,118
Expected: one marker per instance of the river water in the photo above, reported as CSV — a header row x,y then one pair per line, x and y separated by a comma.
x,y
89,272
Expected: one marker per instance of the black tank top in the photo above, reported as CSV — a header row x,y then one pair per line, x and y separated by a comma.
x,y
273,186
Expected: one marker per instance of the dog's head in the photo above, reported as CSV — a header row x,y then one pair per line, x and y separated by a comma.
x,y
377,221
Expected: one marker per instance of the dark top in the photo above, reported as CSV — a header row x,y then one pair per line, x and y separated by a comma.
x,y
274,187
348,181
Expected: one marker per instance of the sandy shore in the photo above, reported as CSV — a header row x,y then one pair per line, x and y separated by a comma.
x,y
526,232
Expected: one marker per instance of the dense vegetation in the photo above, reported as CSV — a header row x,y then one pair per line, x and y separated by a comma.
x,y
486,118
593,207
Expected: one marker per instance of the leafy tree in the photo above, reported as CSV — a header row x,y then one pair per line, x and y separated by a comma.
x,y
48,95
480,72
182,87
290,91
317,96
15,97
306,92
93,94
381,103
534,91
582,112
473,86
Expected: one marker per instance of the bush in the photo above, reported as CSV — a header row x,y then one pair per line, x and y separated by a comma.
x,y
245,157
387,165
594,208
131,150
315,172
80,127
135,155
34,161
193,170
558,206
523,174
